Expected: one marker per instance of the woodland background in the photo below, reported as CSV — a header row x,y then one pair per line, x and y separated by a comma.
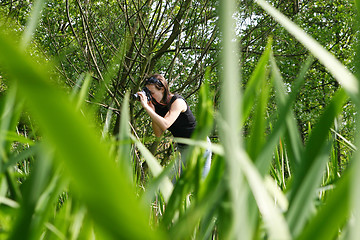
x,y
102,50
182,40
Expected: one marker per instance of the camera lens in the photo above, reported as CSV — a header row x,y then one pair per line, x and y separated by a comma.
x,y
146,92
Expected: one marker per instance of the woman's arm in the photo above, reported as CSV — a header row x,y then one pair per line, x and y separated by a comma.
x,y
157,129
165,122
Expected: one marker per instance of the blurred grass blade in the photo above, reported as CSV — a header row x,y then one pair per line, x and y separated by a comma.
x,y
77,223
184,228
354,228
204,205
276,193
230,120
156,183
5,123
77,86
55,231
16,158
340,73
28,224
256,139
32,22
302,204
9,202
347,142
107,122
257,77
355,191
273,219
166,186
319,135
9,118
215,148
119,215
286,116
205,111
84,91
14,137
124,138
333,214
309,174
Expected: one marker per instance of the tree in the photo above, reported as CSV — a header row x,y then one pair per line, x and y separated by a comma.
x,y
181,40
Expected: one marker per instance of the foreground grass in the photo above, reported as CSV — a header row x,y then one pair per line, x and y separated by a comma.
x,y
238,199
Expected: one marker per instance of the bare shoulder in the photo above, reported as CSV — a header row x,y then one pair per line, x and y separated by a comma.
x,y
179,104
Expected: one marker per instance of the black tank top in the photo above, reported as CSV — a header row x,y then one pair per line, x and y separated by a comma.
x,y
184,125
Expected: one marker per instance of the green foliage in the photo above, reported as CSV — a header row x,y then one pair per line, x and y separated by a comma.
x,y
65,175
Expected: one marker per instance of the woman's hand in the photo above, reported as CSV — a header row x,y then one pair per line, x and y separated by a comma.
x,y
144,102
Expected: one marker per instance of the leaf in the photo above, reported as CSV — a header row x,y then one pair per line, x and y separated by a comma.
x,y
32,22
229,122
29,221
273,219
286,119
9,117
256,139
347,80
84,91
14,137
312,165
331,216
124,138
258,76
166,186
94,175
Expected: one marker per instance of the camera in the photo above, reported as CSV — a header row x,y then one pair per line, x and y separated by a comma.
x,y
147,93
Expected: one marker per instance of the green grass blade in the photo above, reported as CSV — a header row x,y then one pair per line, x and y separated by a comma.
x,y
346,79
107,122
286,119
308,177
346,142
256,139
257,77
286,115
9,118
320,133
230,121
274,221
124,149
14,137
355,186
84,91
215,148
79,146
32,22
28,223
186,225
16,158
333,214
301,206
166,186
5,118
156,183
205,113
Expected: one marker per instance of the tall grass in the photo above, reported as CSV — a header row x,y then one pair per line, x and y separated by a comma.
x,y
262,186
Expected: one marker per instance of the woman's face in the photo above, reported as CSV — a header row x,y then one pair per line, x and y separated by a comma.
x,y
156,93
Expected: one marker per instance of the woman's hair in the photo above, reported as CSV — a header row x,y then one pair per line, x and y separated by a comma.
x,y
160,82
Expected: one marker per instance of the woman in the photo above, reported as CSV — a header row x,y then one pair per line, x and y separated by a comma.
x,y
170,112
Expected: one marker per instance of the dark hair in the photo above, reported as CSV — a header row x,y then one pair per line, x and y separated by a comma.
x,y
160,83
